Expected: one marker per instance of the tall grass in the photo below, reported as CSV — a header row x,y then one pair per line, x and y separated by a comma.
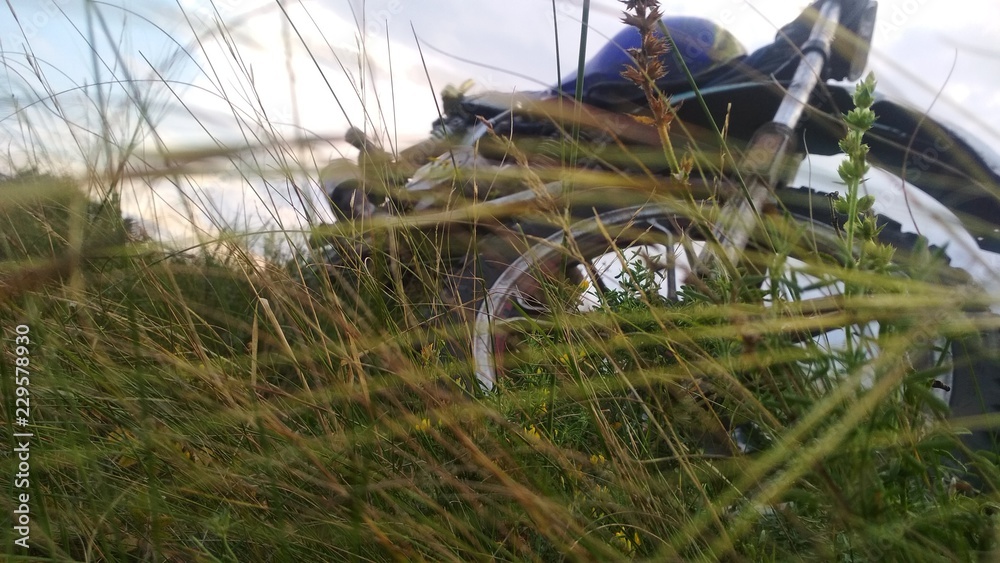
x,y
213,404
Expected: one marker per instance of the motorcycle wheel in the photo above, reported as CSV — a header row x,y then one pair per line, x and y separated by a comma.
x,y
516,286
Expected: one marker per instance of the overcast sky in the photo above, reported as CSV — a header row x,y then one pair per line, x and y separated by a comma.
x,y
917,42
303,73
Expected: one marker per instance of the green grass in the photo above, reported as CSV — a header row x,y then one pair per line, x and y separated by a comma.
x,y
210,405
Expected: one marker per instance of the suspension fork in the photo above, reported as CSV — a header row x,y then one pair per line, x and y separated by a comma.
x,y
765,164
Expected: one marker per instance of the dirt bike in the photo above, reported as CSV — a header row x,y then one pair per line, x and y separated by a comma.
x,y
505,156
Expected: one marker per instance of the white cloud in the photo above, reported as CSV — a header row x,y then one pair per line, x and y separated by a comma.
x,y
914,48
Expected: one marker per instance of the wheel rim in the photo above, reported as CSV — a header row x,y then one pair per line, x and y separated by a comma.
x,y
520,288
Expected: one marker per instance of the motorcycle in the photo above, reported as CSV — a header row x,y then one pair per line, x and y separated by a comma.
x,y
495,170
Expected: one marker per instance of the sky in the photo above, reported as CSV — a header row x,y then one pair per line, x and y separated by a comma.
x,y
307,69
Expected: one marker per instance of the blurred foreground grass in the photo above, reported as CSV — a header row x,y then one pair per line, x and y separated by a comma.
x,y
213,405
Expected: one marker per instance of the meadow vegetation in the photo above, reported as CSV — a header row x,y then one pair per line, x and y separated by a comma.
x,y
216,404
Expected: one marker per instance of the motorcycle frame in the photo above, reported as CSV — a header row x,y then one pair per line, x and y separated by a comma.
x,y
764,166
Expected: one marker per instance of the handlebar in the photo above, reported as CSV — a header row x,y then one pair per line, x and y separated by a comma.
x,y
852,40
816,52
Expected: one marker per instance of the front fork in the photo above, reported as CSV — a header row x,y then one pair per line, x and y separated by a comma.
x,y
766,164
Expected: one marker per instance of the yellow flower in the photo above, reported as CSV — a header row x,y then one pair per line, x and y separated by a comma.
x,y
598,459
423,426
427,352
625,543
532,432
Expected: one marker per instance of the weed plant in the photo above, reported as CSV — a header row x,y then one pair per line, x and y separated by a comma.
x,y
210,405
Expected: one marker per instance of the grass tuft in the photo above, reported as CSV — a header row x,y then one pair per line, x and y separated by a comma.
x,y
233,401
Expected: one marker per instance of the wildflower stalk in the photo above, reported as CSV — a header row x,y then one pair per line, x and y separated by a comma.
x,y
645,16
860,227
853,169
